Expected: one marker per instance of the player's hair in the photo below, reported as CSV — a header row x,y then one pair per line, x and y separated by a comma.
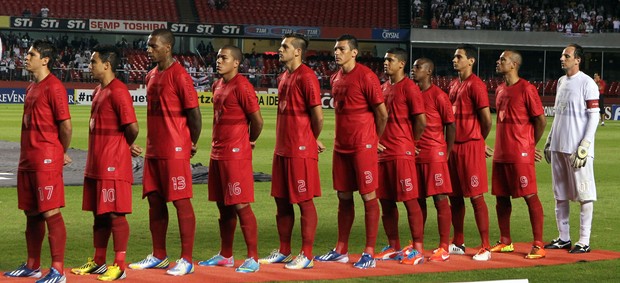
x,y
299,41
165,35
429,62
578,50
516,57
47,49
352,40
109,54
470,50
235,51
400,53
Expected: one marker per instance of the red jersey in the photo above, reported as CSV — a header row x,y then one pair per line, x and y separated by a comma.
x,y
602,86
432,144
402,100
467,98
516,105
298,92
168,94
354,95
46,104
232,102
108,151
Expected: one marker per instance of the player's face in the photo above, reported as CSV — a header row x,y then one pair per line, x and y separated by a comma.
x,y
97,67
343,53
156,49
597,77
287,52
568,60
226,63
391,64
504,64
34,61
460,62
419,71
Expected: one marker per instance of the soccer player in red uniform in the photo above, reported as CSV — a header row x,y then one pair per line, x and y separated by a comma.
x,y
45,137
360,120
520,124
174,123
398,181
237,123
295,174
433,153
602,88
468,170
108,175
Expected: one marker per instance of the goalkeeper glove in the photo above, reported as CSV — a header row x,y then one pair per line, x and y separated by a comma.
x,y
579,158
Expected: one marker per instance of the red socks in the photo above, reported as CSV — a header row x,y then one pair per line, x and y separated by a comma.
x,y
504,209
57,239
457,208
390,222
481,214
444,220
120,232
102,229
35,232
309,222
416,223
228,224
285,219
372,213
187,227
536,218
158,223
346,215
247,221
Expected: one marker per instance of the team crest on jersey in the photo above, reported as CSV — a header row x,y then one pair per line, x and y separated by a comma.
x,y
523,181
474,182
453,109
502,115
282,106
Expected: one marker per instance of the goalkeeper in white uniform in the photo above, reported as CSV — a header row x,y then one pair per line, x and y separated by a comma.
x,y
570,149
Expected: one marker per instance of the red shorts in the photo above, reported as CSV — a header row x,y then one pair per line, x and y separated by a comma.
x,y
434,179
171,178
40,191
104,196
513,179
231,181
398,180
296,179
468,169
356,171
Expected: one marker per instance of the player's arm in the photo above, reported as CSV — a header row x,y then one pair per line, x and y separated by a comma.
x,y
484,117
130,131
316,123
381,117
419,124
256,126
194,122
65,130
450,135
539,122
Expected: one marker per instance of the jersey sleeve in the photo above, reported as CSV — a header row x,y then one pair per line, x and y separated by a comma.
x,y
59,102
415,100
591,90
187,92
123,106
309,86
533,101
247,98
444,106
372,89
480,97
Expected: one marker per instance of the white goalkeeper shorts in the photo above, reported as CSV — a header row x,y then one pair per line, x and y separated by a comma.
x,y
570,183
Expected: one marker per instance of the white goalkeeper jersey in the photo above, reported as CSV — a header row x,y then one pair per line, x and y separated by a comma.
x,y
571,112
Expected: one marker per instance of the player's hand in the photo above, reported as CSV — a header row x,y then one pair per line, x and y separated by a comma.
x,y
380,147
548,152
538,155
194,149
320,146
488,151
135,149
580,156
253,144
417,151
67,159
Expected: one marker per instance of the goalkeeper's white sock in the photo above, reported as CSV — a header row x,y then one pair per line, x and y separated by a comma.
x,y
587,209
562,213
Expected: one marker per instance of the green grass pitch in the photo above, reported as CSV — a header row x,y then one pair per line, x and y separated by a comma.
x,y
605,231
